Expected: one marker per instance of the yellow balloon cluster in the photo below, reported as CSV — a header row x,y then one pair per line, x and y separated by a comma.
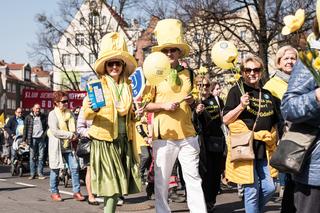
x,y
224,54
156,68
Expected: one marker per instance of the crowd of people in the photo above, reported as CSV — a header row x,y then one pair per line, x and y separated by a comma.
x,y
175,137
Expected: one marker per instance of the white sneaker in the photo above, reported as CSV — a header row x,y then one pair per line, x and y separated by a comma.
x,y
120,201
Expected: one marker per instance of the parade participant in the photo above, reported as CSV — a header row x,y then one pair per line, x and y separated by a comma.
x,y
286,58
240,114
61,133
208,119
301,105
14,128
34,133
174,133
82,129
114,171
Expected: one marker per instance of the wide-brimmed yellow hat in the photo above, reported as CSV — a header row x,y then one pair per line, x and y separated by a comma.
x,y
113,46
169,34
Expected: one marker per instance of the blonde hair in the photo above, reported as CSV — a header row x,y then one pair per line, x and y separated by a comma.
x,y
252,58
280,53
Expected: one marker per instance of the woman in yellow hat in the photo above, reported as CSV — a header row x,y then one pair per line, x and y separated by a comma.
x,y
114,172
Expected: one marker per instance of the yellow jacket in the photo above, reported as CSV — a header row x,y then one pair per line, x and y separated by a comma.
x,y
105,122
242,172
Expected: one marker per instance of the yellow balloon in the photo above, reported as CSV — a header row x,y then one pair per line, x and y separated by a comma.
x,y
156,68
224,54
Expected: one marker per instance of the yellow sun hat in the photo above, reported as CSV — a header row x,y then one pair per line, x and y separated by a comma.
x,y
156,68
113,46
169,34
224,54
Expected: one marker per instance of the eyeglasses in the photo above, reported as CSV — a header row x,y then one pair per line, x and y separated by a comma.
x,y
204,85
171,50
114,63
249,70
64,101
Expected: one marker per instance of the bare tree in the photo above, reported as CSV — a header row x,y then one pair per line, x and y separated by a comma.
x,y
94,25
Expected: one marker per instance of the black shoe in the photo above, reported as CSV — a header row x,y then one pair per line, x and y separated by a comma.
x,y
94,203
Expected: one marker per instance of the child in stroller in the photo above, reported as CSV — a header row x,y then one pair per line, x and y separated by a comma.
x,y
20,163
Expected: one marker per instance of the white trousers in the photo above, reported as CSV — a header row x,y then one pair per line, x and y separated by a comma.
x,y
165,154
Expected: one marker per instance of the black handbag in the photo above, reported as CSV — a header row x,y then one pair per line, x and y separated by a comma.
x,y
294,148
83,148
215,144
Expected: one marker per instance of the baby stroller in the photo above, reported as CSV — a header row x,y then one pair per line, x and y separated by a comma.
x,y
20,162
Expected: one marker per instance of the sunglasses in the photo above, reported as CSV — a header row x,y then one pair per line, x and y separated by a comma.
x,y
64,101
171,50
249,70
114,63
204,85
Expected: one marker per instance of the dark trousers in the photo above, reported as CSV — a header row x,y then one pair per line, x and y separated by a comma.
x,y
306,198
145,159
211,179
287,204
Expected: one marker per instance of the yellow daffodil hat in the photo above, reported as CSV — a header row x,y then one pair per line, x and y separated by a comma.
x,y
113,46
169,34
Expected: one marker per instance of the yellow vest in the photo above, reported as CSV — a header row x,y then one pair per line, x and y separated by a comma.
x,y
174,125
276,86
104,122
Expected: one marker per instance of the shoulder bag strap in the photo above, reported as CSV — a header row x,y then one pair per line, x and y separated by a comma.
x,y
255,122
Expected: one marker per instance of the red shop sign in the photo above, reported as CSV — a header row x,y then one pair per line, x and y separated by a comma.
x,y
44,98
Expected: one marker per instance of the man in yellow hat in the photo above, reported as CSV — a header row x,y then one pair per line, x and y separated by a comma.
x,y
174,133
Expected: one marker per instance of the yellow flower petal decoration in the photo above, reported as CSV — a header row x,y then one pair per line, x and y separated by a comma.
x,y
316,63
202,70
237,76
293,23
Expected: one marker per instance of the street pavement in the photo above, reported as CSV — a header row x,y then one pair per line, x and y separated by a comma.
x,y
20,195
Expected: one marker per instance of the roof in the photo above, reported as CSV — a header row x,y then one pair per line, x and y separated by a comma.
x,y
15,66
40,72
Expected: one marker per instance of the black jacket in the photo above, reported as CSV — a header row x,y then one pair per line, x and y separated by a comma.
x,y
28,127
11,126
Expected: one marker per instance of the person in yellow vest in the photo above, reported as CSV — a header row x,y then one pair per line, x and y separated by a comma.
x,y
114,171
240,113
174,134
286,57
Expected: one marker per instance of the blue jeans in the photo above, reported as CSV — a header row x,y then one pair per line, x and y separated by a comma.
x,y
37,148
256,195
74,169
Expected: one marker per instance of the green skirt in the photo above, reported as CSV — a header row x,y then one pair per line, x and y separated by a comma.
x,y
113,169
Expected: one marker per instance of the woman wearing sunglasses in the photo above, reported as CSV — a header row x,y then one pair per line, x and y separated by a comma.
x,y
240,114
114,171
61,133
208,121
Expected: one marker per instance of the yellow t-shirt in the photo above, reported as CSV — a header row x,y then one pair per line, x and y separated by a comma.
x,y
174,125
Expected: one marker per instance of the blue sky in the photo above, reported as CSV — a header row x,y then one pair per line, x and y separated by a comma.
x,y
18,27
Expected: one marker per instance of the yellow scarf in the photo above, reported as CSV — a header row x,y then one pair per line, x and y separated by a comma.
x,y
121,94
66,123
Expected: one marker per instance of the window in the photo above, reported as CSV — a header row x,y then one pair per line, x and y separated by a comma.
x,y
92,58
66,59
13,104
243,34
68,42
14,89
27,74
82,21
93,19
8,87
104,19
79,39
79,59
9,104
